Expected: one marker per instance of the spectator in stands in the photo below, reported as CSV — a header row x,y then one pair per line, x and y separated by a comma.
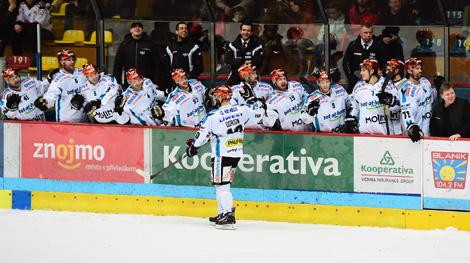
x,y
31,13
450,118
366,46
184,53
226,7
138,51
363,12
296,48
8,9
297,13
395,14
336,21
424,51
238,14
271,41
245,49
392,43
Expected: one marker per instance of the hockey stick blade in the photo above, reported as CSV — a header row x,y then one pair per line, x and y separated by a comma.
x,y
147,177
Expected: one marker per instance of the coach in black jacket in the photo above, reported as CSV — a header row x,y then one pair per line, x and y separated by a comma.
x,y
138,51
184,53
451,116
245,49
365,46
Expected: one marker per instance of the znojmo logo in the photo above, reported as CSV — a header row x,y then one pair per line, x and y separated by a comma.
x,y
70,154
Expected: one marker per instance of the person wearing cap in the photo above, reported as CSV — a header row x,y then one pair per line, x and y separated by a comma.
x,y
326,107
99,92
185,104
138,51
287,102
416,99
17,102
138,104
184,53
63,90
368,113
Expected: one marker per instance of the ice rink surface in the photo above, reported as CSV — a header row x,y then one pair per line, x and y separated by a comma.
x,y
42,236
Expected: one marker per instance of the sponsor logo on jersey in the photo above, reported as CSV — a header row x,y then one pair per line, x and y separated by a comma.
x,y
376,118
234,142
69,154
449,169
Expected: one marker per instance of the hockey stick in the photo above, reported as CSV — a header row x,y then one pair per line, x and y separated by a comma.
x,y
147,177
388,77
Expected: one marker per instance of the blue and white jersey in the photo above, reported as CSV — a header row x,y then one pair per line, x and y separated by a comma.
x,y
29,91
333,108
185,108
139,104
224,127
64,86
416,101
287,107
262,90
106,91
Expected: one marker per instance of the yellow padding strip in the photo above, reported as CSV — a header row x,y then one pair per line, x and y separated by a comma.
x,y
5,199
283,212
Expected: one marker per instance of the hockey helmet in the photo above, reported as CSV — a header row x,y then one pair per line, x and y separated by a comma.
x,y
132,74
276,74
370,64
9,73
65,54
224,92
89,69
245,69
322,75
178,74
396,64
412,62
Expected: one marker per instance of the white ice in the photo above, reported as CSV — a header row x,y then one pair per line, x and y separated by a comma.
x,y
44,236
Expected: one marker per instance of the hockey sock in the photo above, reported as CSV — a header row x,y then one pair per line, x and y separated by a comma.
x,y
224,198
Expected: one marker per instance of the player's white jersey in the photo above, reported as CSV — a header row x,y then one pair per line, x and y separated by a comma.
x,y
183,108
333,108
367,108
416,104
395,112
261,89
64,86
106,91
30,90
224,127
139,103
288,106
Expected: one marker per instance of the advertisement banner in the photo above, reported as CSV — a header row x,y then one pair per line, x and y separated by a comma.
x,y
387,165
82,153
446,169
270,161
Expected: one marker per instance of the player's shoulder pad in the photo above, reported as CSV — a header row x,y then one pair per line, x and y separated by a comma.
x,y
338,89
173,95
28,83
6,92
424,81
128,91
264,85
61,76
148,82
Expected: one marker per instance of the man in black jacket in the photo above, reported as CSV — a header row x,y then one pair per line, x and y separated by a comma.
x,y
366,46
450,117
184,53
138,51
245,49
8,12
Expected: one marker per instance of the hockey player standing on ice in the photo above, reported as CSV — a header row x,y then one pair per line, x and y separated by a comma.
x,y
365,102
185,104
416,99
63,90
224,126
249,91
327,106
138,104
287,103
99,92
18,98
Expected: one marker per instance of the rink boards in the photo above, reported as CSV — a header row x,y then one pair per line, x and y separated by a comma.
x,y
302,177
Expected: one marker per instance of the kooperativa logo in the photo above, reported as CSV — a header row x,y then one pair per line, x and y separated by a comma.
x,y
69,155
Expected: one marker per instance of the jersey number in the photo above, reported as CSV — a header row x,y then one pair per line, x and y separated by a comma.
x,y
238,128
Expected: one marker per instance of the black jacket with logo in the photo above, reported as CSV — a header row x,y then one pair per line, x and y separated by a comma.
x,y
236,56
186,55
141,54
355,54
455,119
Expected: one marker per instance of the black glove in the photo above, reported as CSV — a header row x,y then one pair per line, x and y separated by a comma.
x,y
41,103
437,81
92,104
247,93
77,101
13,101
312,107
209,99
51,74
387,98
157,112
414,132
190,149
119,103
350,125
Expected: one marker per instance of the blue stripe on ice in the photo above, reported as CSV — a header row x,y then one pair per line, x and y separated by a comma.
x,y
208,192
447,204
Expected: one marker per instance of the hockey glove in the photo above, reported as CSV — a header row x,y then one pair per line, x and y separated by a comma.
x,y
119,103
77,101
211,102
350,125
247,93
13,101
312,107
157,112
50,76
415,133
41,103
92,105
437,81
387,98
191,150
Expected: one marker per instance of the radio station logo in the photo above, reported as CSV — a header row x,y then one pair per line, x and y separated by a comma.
x,y
449,169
